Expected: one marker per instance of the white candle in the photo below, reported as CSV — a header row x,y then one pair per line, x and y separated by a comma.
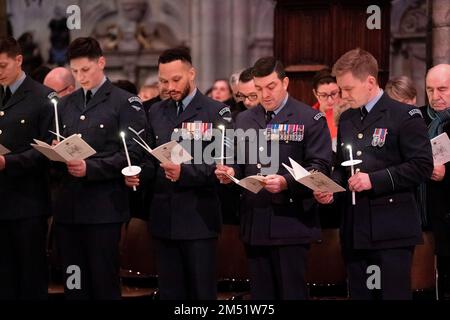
x,y
352,169
122,134
222,146
55,106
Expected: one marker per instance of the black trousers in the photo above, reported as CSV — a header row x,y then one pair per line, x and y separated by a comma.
x,y
23,259
93,249
187,269
278,272
395,273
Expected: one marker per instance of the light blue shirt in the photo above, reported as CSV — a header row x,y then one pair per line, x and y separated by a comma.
x,y
16,84
283,103
373,102
95,89
188,99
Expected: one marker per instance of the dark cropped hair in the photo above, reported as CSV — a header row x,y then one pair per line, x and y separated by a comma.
x,y
86,47
246,75
265,66
10,46
323,77
170,55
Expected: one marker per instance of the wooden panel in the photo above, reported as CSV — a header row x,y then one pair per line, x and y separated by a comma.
x,y
318,32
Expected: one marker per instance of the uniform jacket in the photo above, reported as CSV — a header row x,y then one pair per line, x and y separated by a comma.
x,y
289,217
100,196
397,161
24,188
189,208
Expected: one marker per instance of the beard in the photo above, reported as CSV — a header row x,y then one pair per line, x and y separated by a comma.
x,y
184,93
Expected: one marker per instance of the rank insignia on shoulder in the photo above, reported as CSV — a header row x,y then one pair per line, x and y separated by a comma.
x,y
285,132
319,115
224,110
379,137
197,131
415,111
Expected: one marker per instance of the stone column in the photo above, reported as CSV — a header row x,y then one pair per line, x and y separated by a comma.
x,y
203,41
441,31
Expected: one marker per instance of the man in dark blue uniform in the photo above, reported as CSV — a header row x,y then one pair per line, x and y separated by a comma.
x,y
380,230
185,214
279,222
25,114
91,201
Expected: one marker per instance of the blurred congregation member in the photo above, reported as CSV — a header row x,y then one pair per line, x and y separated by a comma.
x,y
126,85
148,91
234,81
185,216
221,91
329,100
279,222
61,80
436,203
381,226
91,201
25,114
402,89
246,90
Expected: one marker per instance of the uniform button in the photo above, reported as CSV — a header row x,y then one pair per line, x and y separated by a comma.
x,y
358,153
261,149
290,200
1,131
83,117
80,135
22,121
2,113
156,137
259,166
391,200
64,126
342,144
360,136
175,130
102,126
358,170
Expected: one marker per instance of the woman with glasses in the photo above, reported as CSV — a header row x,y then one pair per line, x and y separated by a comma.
x,y
329,100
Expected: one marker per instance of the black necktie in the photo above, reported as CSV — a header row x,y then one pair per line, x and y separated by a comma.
x,y
88,97
269,116
6,96
179,108
364,112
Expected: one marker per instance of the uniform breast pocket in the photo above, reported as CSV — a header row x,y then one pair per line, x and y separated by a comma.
x,y
98,137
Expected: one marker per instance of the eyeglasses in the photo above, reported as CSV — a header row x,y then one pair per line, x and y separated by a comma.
x,y
250,97
324,96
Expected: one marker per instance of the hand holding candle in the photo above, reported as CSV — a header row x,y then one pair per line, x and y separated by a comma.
x,y
130,170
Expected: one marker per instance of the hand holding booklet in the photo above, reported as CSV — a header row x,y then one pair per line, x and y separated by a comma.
x,y
71,148
3,150
314,180
441,149
171,151
251,183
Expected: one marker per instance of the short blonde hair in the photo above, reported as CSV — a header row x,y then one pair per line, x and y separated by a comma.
x,y
357,61
401,88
